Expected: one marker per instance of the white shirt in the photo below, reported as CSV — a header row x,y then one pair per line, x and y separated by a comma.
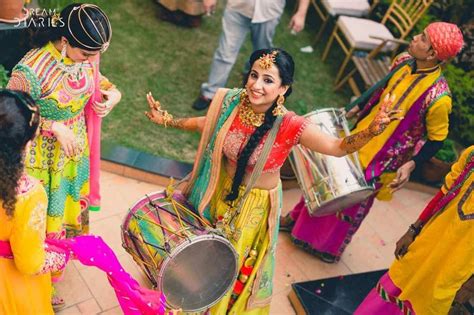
x,y
258,10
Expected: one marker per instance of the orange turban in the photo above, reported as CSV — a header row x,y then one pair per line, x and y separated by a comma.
x,y
446,39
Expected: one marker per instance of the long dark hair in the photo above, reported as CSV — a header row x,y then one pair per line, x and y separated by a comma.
x,y
286,68
85,26
19,120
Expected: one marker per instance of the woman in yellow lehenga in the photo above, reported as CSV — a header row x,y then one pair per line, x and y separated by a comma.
x,y
235,184
433,273
25,262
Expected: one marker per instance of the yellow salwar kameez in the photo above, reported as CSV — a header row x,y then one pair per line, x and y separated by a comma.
x,y
437,116
423,97
441,258
22,290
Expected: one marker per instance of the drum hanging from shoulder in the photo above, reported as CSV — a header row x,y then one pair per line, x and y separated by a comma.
x,y
179,253
329,183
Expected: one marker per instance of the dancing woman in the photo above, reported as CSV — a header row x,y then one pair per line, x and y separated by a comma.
x,y
246,136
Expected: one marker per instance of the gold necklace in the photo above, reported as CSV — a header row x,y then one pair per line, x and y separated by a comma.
x,y
248,116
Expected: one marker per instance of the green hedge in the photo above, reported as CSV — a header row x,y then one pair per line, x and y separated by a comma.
x,y
461,84
448,152
3,77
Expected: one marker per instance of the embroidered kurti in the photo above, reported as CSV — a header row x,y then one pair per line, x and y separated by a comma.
x,y
22,291
61,98
408,87
289,134
260,212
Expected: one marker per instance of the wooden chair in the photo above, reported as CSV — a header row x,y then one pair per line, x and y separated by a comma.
x,y
371,67
330,9
358,34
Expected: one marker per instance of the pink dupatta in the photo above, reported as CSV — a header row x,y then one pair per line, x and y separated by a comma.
x,y
93,123
93,251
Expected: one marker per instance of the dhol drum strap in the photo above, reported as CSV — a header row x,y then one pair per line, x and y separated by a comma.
x,y
249,261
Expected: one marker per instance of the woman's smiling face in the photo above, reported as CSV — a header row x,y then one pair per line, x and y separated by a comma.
x,y
263,86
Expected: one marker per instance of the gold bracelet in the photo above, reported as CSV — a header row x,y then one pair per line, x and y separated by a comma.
x,y
167,118
46,125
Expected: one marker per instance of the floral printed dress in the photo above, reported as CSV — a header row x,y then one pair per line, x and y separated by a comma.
x,y
61,96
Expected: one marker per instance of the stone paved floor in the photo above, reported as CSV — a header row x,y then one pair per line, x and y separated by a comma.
x,y
86,290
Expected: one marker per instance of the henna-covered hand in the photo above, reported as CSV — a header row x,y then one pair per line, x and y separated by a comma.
x,y
356,141
156,114
162,117
385,116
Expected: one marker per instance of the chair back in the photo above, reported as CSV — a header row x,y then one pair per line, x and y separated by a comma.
x,y
404,14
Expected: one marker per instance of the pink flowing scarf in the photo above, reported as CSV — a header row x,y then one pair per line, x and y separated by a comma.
x,y
93,251
93,123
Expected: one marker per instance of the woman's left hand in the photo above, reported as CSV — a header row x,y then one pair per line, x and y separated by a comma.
x,y
385,116
111,98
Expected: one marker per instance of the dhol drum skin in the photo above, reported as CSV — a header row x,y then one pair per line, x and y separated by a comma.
x,y
329,183
182,256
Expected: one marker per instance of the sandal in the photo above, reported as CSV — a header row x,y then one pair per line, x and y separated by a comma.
x,y
57,301
286,223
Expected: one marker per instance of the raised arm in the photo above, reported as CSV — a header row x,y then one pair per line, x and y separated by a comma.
x,y
162,117
314,139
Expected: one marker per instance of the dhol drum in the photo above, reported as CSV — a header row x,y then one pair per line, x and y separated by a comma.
x,y
181,255
329,183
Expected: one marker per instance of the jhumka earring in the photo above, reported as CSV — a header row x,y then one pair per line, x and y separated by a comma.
x,y
278,110
243,94
63,53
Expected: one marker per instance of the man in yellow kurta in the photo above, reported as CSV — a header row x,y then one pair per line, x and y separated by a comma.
x,y
424,101
435,264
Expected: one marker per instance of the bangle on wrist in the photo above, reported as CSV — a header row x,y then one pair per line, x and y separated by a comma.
x,y
414,230
47,125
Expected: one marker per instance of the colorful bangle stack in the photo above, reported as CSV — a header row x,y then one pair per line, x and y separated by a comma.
x,y
46,127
